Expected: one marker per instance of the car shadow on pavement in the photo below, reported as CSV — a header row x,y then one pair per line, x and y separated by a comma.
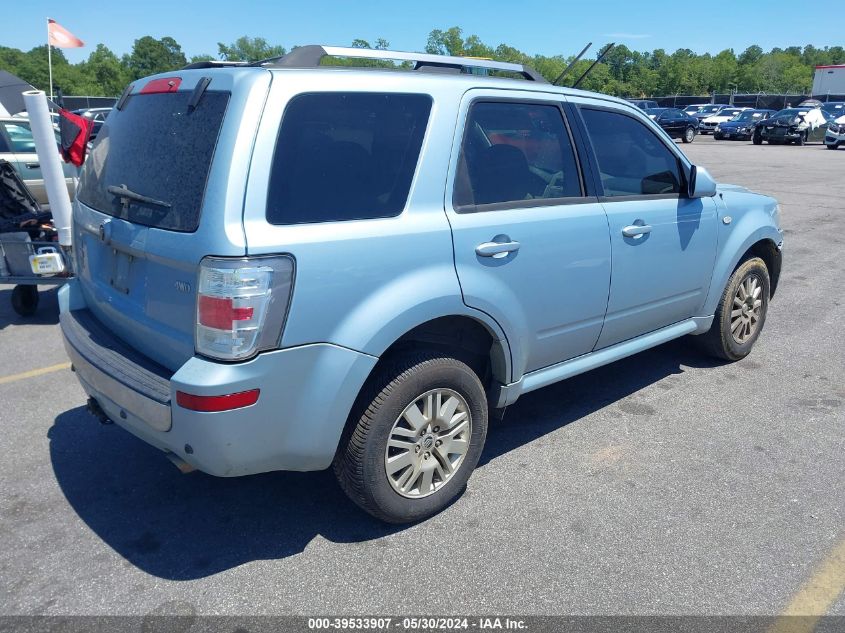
x,y
46,314
540,412
184,527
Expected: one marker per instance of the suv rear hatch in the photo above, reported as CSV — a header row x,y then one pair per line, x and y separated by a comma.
x,y
162,188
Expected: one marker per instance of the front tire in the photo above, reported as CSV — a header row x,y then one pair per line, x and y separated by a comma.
x,y
802,139
757,138
741,313
419,429
689,135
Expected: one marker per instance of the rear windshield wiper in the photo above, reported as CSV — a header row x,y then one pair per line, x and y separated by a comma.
x,y
125,194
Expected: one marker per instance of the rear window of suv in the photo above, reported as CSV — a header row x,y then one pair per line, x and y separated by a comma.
x,y
157,147
346,156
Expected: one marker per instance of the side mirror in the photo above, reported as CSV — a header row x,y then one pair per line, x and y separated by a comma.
x,y
701,184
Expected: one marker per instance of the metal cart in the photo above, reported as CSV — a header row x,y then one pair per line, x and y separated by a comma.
x,y
29,254
29,264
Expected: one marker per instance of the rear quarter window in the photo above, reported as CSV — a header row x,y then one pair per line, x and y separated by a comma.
x,y
156,146
346,156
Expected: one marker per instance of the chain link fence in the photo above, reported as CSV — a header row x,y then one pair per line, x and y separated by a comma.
x,y
762,100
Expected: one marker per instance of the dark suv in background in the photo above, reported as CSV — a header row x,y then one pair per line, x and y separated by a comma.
x,y
676,123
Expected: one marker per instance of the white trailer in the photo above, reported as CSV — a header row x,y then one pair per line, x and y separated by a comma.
x,y
829,80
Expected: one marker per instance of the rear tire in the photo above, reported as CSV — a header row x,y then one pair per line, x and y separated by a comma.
x,y
414,437
757,138
802,139
741,313
25,300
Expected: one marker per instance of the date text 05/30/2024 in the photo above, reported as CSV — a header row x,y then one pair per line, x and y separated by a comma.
x,y
415,624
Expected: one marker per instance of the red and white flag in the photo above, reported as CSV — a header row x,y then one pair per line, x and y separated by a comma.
x,y
60,37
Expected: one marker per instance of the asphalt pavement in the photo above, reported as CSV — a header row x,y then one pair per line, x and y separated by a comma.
x,y
666,483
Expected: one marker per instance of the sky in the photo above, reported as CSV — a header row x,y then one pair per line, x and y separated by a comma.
x,y
546,27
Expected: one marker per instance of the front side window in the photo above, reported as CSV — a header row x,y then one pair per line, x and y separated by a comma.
x,y
514,152
631,158
346,156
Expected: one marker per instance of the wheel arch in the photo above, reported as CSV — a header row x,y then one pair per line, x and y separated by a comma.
x,y
472,338
465,337
762,243
767,250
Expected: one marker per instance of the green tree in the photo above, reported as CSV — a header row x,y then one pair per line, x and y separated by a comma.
x,y
623,71
449,42
723,72
249,49
103,68
751,55
150,56
381,44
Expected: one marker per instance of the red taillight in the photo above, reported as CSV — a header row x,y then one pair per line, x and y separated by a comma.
x,y
220,312
240,305
209,404
165,84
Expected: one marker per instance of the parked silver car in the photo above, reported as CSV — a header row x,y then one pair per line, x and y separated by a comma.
x,y
18,147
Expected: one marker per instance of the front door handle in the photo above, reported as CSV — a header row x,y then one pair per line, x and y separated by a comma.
x,y
636,230
32,165
496,249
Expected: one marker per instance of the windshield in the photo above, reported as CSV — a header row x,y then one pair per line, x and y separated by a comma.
x,y
160,150
729,113
654,111
710,109
792,111
748,115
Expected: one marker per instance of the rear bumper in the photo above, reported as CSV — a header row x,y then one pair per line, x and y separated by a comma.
x,y
306,395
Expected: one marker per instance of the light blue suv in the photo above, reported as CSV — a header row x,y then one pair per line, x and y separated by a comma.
x,y
289,266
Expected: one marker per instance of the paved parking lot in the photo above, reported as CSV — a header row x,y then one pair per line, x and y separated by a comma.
x,y
663,484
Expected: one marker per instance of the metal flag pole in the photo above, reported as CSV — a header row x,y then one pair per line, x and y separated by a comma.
x,y
49,59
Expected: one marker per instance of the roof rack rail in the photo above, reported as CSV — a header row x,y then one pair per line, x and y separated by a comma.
x,y
310,56
213,63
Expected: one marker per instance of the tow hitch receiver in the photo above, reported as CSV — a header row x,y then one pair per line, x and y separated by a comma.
x,y
96,410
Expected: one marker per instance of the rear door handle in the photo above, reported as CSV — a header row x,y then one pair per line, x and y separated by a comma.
x,y
496,249
636,230
32,165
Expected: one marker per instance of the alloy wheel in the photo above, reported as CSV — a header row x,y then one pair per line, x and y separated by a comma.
x,y
428,443
747,309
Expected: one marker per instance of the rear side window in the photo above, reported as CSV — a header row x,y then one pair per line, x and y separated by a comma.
x,y
158,148
514,153
632,159
346,156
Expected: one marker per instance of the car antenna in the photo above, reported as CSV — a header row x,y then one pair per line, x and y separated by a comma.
x,y
571,64
598,59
